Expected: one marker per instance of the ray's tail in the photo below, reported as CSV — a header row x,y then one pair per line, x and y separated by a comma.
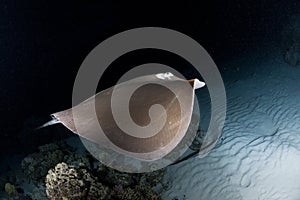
x,y
51,122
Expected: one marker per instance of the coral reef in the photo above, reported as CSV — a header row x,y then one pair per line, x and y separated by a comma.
x,y
197,142
36,165
64,181
68,182
58,171
98,191
119,179
138,193
3,181
115,177
78,160
101,170
38,193
10,190
14,193
151,179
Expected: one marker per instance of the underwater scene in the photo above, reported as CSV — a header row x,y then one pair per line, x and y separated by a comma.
x,y
150,100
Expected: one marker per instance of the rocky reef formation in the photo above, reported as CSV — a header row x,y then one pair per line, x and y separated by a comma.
x,y
66,171
67,181
197,142
58,171
139,192
36,165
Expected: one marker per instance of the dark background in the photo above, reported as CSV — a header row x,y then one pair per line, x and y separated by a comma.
x,y
43,43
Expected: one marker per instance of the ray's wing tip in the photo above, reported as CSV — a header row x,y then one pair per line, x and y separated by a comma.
x,y
198,84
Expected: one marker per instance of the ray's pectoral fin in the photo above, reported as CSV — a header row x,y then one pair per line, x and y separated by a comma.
x,y
196,83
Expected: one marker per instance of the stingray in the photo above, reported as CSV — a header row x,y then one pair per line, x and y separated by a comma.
x,y
169,121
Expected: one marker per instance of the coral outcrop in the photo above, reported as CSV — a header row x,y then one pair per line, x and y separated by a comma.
x,y
59,172
138,193
36,165
65,182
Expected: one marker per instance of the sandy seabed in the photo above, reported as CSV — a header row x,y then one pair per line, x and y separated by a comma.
x,y
258,155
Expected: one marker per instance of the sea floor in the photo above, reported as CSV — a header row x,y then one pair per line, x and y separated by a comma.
x,y
258,154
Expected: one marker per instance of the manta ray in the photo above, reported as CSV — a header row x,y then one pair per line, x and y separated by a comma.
x,y
173,98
